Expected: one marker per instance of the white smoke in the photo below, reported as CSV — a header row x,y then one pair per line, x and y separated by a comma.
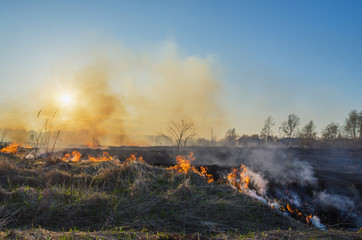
x,y
282,167
317,222
258,182
339,202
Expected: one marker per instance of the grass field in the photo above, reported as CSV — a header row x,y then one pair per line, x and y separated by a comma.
x,y
49,198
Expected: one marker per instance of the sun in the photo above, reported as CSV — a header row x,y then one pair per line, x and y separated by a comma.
x,y
65,99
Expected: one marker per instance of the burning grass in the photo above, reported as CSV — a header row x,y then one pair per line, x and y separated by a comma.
x,y
132,194
100,192
239,178
11,149
184,165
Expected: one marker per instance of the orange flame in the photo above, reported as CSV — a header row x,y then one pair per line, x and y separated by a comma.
x,y
73,157
208,176
105,157
184,166
308,217
238,178
11,149
295,211
133,158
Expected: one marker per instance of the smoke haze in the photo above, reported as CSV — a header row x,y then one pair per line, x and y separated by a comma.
x,y
121,97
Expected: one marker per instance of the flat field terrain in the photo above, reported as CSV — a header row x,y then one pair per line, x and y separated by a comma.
x,y
123,197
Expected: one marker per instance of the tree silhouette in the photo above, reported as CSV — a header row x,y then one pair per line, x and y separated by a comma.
x,y
289,126
231,137
266,131
178,134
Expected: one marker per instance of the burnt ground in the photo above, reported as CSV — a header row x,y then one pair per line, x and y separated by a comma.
x,y
336,168
326,181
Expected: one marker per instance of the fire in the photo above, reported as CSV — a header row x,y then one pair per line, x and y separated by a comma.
x,y
74,156
105,157
208,176
295,211
184,164
133,158
308,217
11,149
239,178
232,177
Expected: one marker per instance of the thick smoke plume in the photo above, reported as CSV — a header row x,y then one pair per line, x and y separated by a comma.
x,y
122,97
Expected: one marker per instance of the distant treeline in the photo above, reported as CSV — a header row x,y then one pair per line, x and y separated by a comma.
x,y
290,133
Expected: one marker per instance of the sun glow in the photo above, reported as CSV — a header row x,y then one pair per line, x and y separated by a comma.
x,y
65,99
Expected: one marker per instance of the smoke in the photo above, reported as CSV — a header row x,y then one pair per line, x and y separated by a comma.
x,y
122,96
281,166
258,182
97,111
340,202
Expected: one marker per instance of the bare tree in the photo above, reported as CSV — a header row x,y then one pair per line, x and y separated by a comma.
x,y
290,126
231,137
308,134
308,131
330,132
352,125
178,134
266,131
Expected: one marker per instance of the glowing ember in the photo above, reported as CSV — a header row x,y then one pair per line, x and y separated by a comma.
x,y
11,149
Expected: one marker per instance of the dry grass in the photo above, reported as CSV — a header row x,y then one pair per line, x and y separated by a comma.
x,y
134,195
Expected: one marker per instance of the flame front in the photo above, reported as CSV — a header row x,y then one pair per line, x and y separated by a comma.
x,y
184,164
105,157
238,178
133,158
11,149
73,157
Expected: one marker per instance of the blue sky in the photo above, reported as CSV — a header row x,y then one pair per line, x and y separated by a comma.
x,y
275,57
